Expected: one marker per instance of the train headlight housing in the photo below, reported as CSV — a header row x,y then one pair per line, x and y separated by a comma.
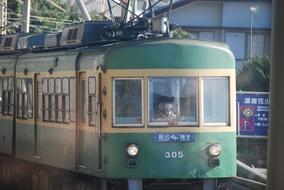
x,y
214,150
132,150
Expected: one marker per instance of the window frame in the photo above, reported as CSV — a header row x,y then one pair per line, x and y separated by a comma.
x,y
66,110
115,125
72,104
175,123
26,106
92,123
51,97
57,96
228,116
45,96
8,96
48,95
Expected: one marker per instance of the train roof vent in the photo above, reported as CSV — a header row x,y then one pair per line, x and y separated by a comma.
x,y
52,40
85,33
34,41
9,42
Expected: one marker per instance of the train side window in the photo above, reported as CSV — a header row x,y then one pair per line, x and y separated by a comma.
x,y
58,100
173,100
39,99
128,102
24,98
23,93
19,98
1,92
44,99
92,100
72,100
30,98
65,100
216,100
83,101
51,100
5,96
11,96
8,96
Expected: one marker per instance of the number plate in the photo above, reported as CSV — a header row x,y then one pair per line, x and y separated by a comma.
x,y
174,137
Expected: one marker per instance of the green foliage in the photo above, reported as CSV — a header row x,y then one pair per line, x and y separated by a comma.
x,y
254,76
44,15
95,16
180,33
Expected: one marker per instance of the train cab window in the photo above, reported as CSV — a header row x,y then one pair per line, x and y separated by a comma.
x,y
173,100
216,100
91,100
128,102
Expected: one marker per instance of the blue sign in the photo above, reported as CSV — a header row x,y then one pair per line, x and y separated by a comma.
x,y
252,113
174,137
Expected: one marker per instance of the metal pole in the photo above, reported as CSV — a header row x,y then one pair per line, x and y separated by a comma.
x,y
252,11
26,16
276,128
3,16
83,10
251,23
134,8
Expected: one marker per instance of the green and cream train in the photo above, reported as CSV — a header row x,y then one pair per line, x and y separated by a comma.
x,y
156,109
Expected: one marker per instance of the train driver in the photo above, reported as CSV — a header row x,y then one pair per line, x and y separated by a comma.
x,y
165,109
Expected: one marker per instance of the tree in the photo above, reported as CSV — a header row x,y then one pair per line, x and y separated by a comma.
x,y
254,76
180,33
44,15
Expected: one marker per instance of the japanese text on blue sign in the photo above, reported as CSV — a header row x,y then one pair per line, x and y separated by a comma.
x,y
174,137
253,112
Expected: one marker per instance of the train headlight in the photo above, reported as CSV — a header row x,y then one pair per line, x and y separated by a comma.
x,y
132,150
214,150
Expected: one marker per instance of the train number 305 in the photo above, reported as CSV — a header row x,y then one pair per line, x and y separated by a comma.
x,y
178,154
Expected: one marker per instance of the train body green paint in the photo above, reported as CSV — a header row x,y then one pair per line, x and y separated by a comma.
x,y
99,149
170,54
185,159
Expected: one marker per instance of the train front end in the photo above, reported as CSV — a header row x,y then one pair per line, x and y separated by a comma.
x,y
169,111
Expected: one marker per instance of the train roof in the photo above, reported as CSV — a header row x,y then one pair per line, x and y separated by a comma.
x,y
170,54
144,54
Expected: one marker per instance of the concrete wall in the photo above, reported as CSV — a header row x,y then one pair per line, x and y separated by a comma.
x,y
200,13
238,14
225,14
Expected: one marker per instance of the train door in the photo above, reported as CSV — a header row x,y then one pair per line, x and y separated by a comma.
x,y
86,130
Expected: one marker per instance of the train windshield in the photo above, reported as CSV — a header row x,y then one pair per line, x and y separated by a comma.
x,y
128,102
173,100
216,100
